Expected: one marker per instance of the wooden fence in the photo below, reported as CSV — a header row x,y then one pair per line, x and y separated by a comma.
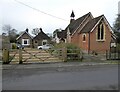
x,y
62,54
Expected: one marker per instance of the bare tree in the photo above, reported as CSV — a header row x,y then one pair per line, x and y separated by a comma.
x,y
36,31
13,35
6,29
10,32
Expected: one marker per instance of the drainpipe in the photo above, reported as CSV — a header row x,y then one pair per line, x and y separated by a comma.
x,y
89,43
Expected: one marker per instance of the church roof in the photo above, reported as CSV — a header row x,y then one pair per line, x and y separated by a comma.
x,y
89,26
76,23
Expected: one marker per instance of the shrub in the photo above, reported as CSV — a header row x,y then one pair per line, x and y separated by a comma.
x,y
118,46
67,45
14,46
73,52
71,48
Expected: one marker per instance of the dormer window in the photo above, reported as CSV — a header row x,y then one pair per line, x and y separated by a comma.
x,y
101,32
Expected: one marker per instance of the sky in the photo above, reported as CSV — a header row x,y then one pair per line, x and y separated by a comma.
x,y
52,14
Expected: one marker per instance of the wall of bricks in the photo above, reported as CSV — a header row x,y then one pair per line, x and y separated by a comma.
x,y
100,46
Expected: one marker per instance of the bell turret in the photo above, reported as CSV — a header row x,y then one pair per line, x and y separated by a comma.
x,y
72,16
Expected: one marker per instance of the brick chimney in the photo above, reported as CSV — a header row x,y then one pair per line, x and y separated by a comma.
x,y
27,30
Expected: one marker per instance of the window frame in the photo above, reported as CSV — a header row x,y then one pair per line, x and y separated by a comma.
x,y
84,37
44,41
100,29
27,40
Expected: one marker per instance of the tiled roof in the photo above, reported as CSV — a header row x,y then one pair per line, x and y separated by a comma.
x,y
62,34
25,32
41,35
89,26
75,24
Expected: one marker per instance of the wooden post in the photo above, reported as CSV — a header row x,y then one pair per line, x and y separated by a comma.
x,y
81,55
64,53
20,56
110,54
115,57
118,54
106,55
5,56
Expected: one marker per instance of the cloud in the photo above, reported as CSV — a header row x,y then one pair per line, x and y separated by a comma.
x,y
20,16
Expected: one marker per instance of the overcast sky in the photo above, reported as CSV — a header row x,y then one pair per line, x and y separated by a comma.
x,y
21,17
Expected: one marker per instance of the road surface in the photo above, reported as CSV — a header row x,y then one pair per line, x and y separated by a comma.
x,y
98,77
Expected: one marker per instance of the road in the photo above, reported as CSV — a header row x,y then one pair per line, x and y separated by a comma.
x,y
99,77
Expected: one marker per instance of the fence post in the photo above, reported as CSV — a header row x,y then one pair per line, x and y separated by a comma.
x,y
115,57
110,54
20,56
5,56
118,54
80,55
64,54
106,55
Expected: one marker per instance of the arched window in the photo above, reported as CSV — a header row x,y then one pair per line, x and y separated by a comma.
x,y
84,37
100,32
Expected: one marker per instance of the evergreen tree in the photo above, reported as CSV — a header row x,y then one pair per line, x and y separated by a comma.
x,y
116,28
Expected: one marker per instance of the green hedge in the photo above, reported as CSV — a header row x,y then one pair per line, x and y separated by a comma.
x,y
73,52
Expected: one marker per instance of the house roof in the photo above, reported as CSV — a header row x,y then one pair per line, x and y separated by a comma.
x,y
25,32
89,26
41,35
75,24
62,34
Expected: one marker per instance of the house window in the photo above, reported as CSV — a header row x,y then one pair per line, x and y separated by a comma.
x,y
44,42
100,32
35,41
25,42
84,37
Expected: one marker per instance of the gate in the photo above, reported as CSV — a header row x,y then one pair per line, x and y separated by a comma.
x,y
34,55
30,55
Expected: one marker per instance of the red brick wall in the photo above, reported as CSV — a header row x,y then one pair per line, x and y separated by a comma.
x,y
75,40
76,37
83,44
100,46
97,46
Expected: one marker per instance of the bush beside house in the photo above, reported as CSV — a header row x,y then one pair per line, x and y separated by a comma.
x,y
71,51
